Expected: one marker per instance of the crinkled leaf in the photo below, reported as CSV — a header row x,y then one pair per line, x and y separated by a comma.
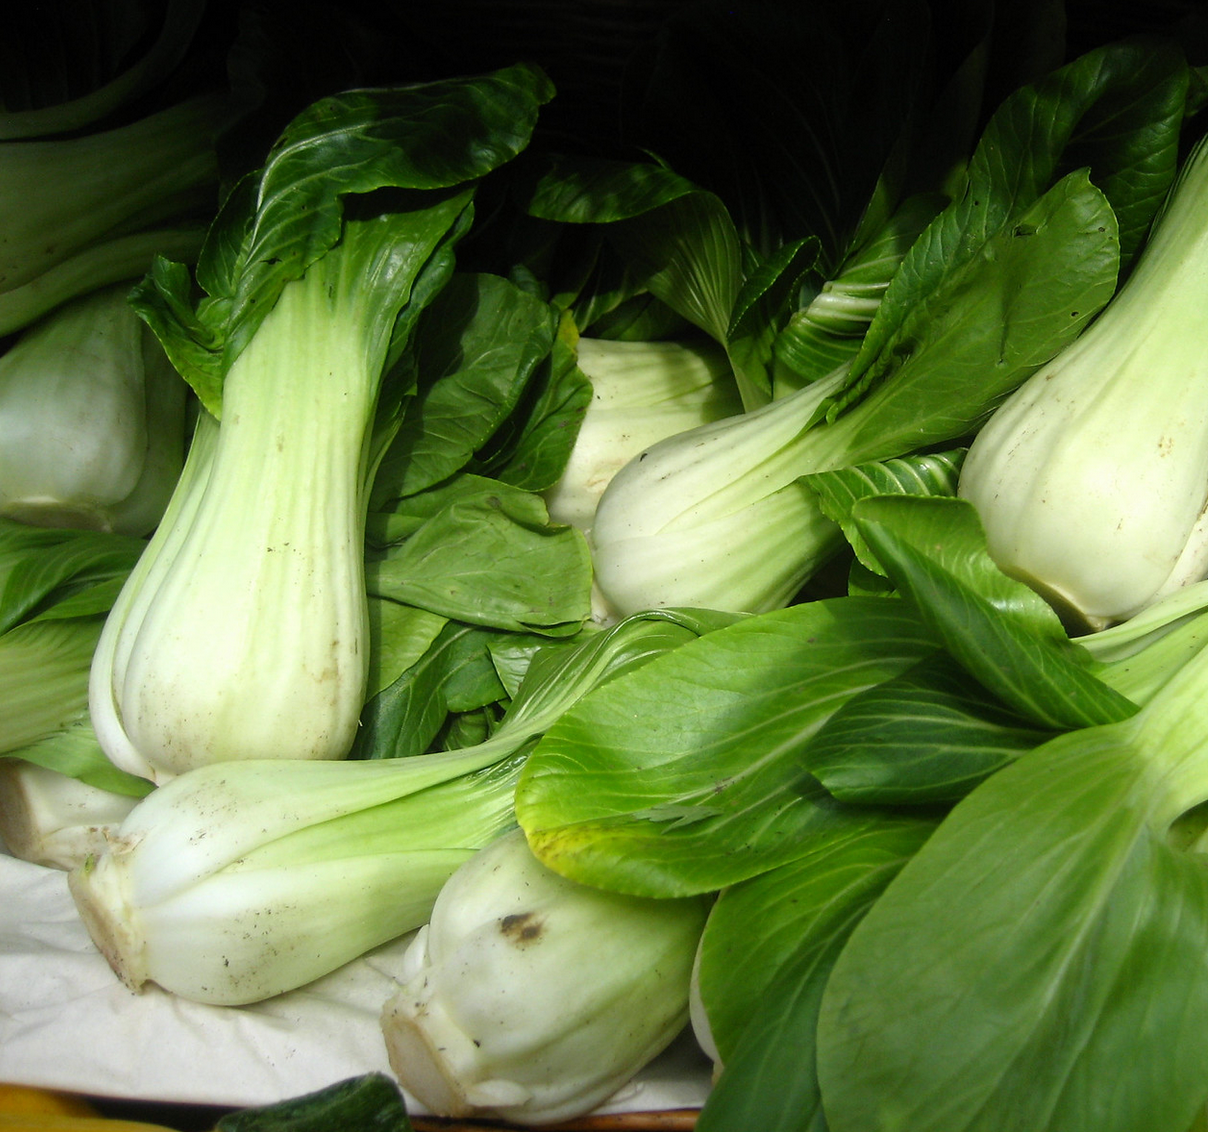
x,y
1116,112
491,557
839,490
424,139
476,347
943,351
761,310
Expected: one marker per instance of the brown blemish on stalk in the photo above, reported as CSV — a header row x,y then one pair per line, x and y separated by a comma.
x,y
521,928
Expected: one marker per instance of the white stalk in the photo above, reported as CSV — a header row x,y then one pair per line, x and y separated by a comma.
x,y
712,517
244,635
237,882
52,819
642,392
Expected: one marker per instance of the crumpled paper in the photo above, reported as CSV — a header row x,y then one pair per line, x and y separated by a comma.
x,y
67,1023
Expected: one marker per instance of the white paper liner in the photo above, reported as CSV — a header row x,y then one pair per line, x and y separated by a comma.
x,y
67,1023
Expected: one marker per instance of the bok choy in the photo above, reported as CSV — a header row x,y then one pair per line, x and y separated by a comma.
x,y
1092,479
243,632
113,198
1039,962
997,284
528,997
92,419
219,885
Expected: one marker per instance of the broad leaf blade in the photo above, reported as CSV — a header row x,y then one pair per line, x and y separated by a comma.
x,y
688,777
766,985
1038,964
998,629
491,556
928,736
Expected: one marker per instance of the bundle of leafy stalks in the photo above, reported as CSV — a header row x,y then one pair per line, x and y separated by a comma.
x,y
428,622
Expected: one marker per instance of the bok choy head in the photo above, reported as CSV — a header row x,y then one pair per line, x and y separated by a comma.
x,y
530,997
243,632
1092,479
92,419
219,886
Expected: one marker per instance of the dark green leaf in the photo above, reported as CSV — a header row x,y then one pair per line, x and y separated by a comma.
x,y
455,673
768,948
577,190
476,347
760,313
41,567
491,557
960,328
1116,114
532,449
423,140
372,1103
841,489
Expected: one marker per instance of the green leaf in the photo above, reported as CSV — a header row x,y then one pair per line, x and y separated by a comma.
x,y
476,348
961,327
74,751
761,986
1038,964
687,777
840,489
827,332
41,567
1115,114
491,557
688,254
532,450
998,629
44,668
427,139
760,314
927,736
587,190
454,673
398,636
760,925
